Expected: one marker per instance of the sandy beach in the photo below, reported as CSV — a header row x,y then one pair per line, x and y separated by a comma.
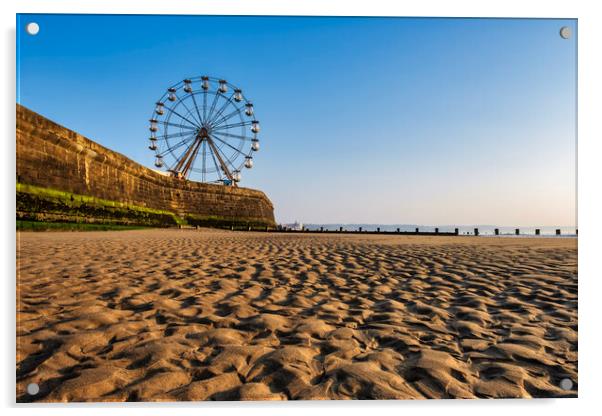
x,y
164,315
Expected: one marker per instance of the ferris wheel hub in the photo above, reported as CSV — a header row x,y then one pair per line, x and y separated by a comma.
x,y
204,133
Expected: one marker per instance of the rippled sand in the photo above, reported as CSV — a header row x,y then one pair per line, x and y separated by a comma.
x,y
207,315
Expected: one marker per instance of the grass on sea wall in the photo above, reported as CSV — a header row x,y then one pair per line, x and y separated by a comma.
x,y
46,205
75,199
72,226
40,208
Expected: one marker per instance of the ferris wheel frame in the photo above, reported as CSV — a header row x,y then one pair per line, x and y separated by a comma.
x,y
203,109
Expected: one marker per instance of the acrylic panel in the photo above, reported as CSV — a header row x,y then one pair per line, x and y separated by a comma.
x,y
295,208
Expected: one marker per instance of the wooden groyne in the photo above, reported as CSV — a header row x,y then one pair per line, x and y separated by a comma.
x,y
378,231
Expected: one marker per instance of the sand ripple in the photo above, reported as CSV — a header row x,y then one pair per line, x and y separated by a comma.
x,y
188,315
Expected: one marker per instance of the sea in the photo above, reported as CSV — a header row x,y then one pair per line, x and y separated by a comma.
x,y
484,230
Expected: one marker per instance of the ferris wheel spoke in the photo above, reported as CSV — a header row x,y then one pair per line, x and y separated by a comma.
x,y
204,104
222,109
198,122
176,146
234,136
204,161
228,116
229,145
181,116
196,107
167,123
228,126
173,135
213,104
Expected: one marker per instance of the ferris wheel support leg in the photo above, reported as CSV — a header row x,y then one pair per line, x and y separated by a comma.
x,y
182,161
191,159
221,161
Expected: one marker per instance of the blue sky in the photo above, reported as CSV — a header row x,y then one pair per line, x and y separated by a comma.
x,y
364,120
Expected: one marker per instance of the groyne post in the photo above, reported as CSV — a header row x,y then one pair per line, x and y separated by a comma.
x,y
558,232
496,231
537,231
517,231
476,231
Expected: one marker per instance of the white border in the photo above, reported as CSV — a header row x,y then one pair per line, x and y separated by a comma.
x,y
509,8
589,182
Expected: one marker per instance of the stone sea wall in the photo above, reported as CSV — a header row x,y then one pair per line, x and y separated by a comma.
x,y
54,157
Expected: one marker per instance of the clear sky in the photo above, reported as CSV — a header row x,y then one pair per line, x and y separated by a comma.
x,y
364,120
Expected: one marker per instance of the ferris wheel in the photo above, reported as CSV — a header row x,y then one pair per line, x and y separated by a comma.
x,y
204,129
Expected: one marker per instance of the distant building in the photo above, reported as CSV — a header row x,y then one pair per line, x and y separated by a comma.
x,y
296,226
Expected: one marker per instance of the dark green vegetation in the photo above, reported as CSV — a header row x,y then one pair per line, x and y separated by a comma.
x,y
42,209
37,204
71,226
